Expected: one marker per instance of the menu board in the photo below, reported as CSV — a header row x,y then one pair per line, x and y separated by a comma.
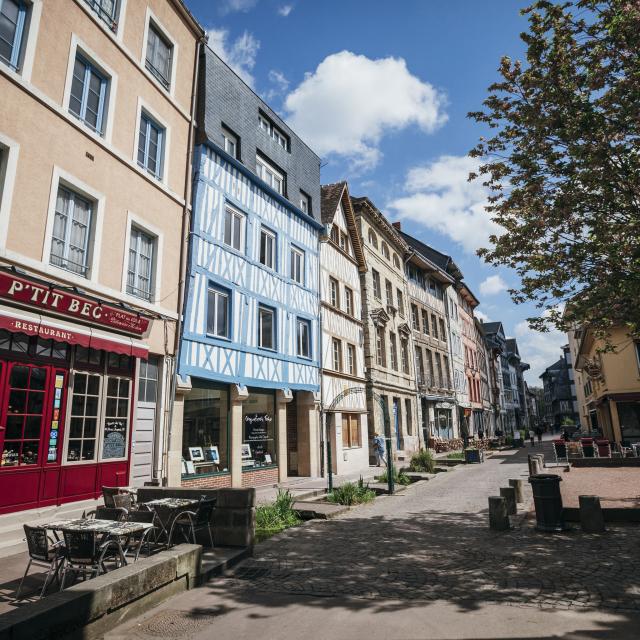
x,y
115,438
54,431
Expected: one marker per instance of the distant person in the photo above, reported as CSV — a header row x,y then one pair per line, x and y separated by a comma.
x,y
532,438
517,438
539,433
480,434
379,449
565,435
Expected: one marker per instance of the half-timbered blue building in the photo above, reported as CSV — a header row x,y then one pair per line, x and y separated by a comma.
x,y
250,348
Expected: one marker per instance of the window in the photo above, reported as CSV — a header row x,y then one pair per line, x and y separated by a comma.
x,y
400,302
334,293
415,323
380,347
234,228
430,367
266,327
443,333
425,323
351,360
270,129
72,231
336,352
419,365
116,418
447,372
297,265
107,11
335,234
393,351
148,380
159,53
88,97
303,335
348,300
351,430
83,422
141,264
439,367
13,14
267,248
407,411
404,355
396,261
385,250
230,143
434,326
389,292
376,284
305,203
373,239
344,241
218,312
273,177
151,146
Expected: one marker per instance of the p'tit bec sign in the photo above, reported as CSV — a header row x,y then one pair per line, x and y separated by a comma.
x,y
61,302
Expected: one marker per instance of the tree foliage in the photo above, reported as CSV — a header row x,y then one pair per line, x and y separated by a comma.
x,y
563,164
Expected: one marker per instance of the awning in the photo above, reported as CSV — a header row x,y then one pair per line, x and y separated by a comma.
x,y
32,324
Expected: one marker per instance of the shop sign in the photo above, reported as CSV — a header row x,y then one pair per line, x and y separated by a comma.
x,y
115,437
54,432
256,433
55,300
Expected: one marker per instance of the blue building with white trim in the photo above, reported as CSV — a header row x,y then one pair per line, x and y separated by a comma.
x,y
249,357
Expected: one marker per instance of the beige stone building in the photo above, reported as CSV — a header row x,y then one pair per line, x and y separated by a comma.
x,y
96,121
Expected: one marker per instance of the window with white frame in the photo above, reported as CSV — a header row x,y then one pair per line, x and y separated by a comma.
x,y
348,300
13,20
393,351
385,250
351,359
425,323
334,293
400,298
88,97
230,142
373,239
107,10
303,334
266,327
404,355
72,234
415,323
297,265
344,241
273,177
159,55
151,145
267,248
336,351
116,418
381,356
389,292
377,292
234,222
148,379
271,130
218,312
396,261
84,418
142,249
335,233
305,202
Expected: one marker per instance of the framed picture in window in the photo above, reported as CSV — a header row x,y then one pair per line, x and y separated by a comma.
x,y
190,468
246,452
196,454
211,454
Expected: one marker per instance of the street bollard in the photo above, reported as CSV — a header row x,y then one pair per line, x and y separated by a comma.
x,y
509,494
540,458
517,485
498,516
533,464
591,516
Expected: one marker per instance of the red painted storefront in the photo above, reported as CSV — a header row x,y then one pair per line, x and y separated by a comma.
x,y
67,372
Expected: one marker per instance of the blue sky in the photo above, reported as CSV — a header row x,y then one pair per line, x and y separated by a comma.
x,y
380,90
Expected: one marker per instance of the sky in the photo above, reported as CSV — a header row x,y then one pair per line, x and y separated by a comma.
x,y
380,90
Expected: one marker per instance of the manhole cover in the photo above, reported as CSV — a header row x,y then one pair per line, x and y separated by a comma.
x,y
173,624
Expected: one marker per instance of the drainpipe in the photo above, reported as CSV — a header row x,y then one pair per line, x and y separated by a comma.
x,y
186,225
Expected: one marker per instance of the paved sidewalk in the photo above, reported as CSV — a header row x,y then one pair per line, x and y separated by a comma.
x,y
422,564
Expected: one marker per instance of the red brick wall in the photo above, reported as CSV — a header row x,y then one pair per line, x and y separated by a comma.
x,y
256,478
208,482
260,477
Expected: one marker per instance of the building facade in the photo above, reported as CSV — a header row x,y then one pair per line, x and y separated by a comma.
x,y
90,241
496,357
387,334
560,402
343,379
471,409
247,411
483,354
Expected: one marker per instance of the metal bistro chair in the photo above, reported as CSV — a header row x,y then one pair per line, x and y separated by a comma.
x,y
188,523
109,493
123,501
139,540
43,552
106,513
85,551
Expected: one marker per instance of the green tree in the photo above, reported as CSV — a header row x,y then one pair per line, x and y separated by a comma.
x,y
562,162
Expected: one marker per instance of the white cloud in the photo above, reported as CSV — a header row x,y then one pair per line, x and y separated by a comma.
x,y
233,6
540,350
481,315
240,55
285,10
492,286
350,102
279,85
441,198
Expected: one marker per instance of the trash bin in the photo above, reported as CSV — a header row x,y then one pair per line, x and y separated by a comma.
x,y
548,502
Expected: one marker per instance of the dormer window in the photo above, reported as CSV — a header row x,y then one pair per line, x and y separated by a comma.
x,y
305,203
273,132
271,176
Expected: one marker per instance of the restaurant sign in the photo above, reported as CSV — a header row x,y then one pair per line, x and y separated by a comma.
x,y
55,300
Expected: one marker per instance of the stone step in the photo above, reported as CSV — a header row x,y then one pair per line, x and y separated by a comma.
x,y
315,510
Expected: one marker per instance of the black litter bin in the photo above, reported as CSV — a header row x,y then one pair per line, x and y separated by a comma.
x,y
548,502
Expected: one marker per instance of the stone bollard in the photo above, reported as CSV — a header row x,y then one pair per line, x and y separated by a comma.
x,y
591,516
509,494
498,516
234,518
517,485
533,465
540,457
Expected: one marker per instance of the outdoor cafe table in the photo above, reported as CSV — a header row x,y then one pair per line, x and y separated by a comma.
x,y
168,509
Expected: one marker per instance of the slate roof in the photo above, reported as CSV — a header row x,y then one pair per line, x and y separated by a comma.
x,y
329,197
491,327
441,260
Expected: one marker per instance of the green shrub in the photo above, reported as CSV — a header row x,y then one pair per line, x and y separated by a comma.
x,y
455,455
398,477
351,493
423,461
278,515
508,441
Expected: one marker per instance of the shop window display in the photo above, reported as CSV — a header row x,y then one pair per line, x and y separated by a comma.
x,y
205,442
259,446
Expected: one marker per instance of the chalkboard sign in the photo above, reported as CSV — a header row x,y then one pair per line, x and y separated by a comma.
x,y
256,433
115,438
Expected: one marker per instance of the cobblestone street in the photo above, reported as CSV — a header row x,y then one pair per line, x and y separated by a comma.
x,y
426,565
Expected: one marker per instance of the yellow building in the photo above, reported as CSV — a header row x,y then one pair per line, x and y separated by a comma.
x,y
608,384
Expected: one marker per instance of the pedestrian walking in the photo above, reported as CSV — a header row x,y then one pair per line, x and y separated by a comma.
x,y
516,438
532,438
379,448
539,433
480,434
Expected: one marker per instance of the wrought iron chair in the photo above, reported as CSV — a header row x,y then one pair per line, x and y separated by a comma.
x,y
139,540
88,551
108,494
106,513
43,552
188,523
123,501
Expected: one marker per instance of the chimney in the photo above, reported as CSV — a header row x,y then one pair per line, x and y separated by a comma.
x,y
396,225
